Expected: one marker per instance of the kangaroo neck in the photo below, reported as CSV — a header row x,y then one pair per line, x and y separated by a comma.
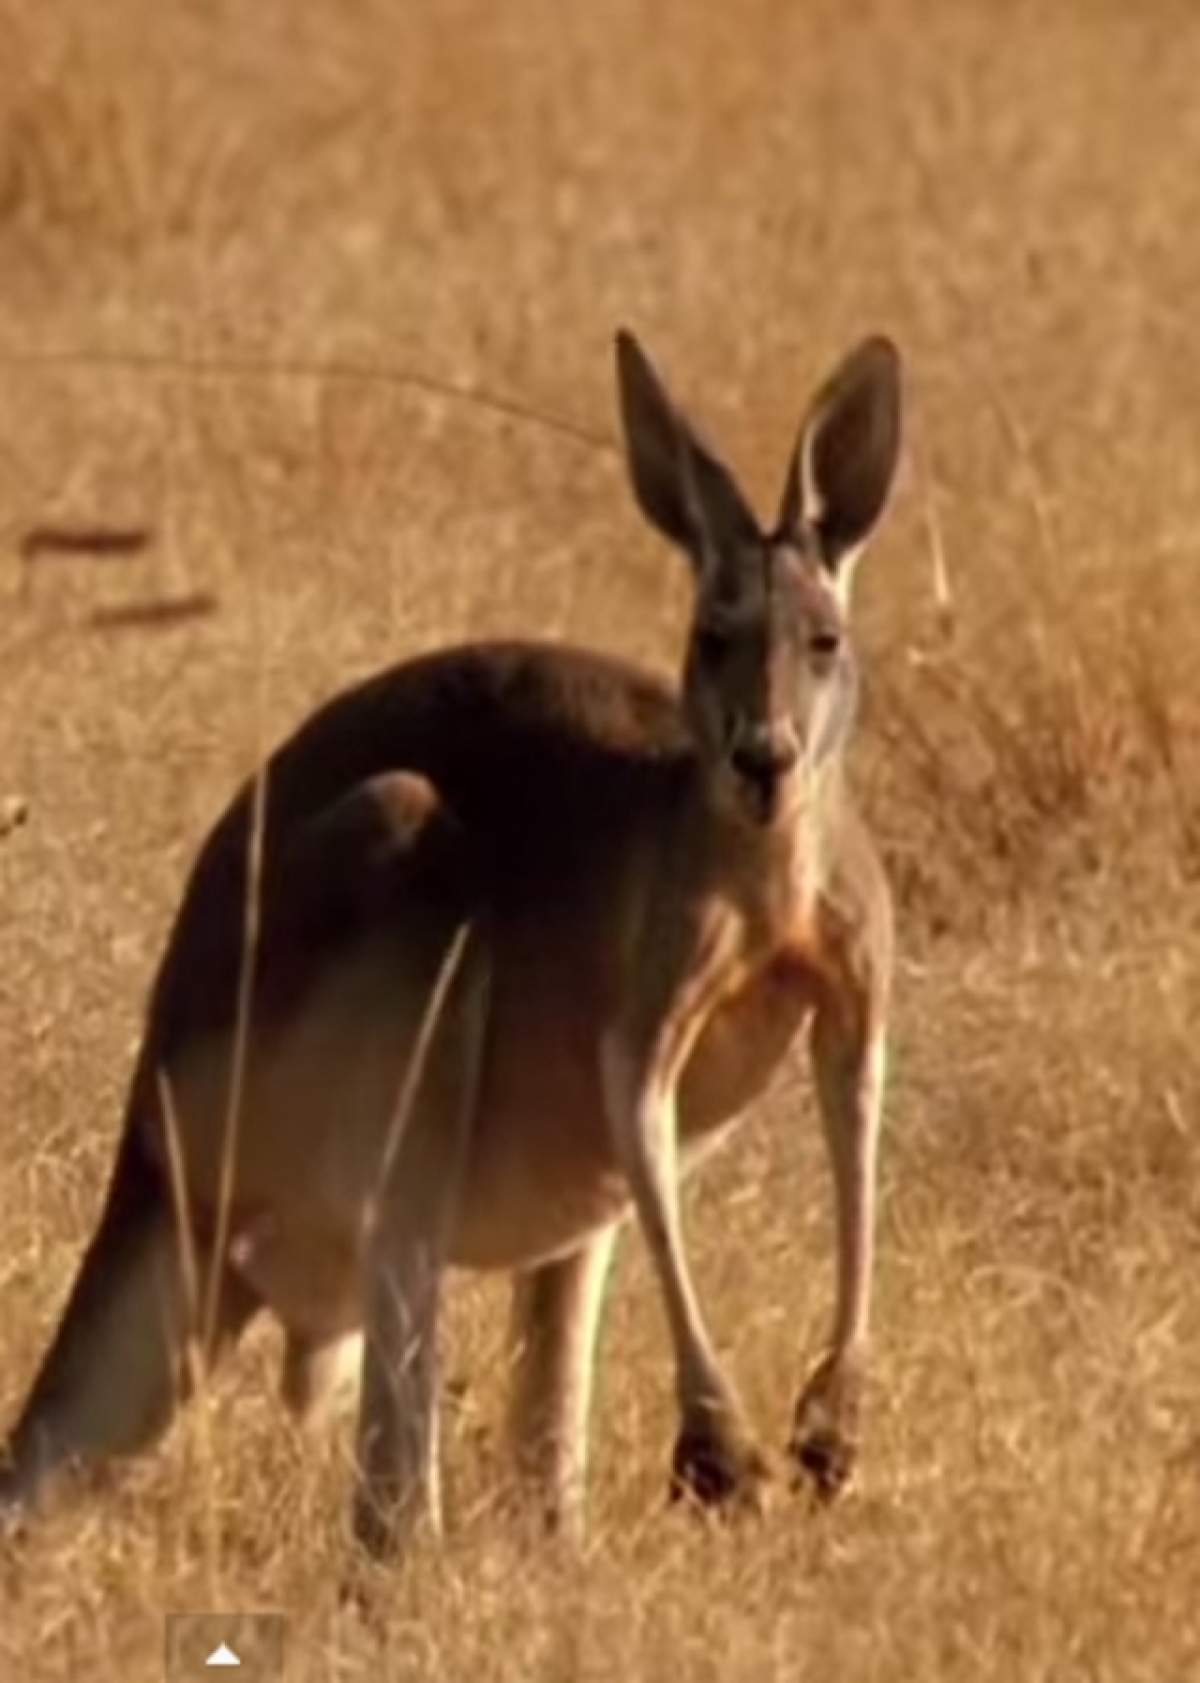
x,y
771,871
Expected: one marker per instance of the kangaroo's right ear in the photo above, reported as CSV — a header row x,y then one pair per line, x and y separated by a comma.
x,y
681,486
845,458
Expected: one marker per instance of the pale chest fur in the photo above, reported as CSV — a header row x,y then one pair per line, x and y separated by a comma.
x,y
767,979
746,1038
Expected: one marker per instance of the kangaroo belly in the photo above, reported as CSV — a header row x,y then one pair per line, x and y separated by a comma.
x,y
318,1096
543,1171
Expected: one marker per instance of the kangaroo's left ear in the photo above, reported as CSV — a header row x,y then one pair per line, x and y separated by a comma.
x,y
845,456
681,484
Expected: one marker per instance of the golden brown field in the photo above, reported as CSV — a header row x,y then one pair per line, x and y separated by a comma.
x,y
479,194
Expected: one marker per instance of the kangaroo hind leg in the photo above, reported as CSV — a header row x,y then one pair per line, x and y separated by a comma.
x,y
555,1319
410,1230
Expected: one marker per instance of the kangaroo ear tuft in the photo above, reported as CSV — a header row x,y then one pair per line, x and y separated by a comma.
x,y
846,455
681,485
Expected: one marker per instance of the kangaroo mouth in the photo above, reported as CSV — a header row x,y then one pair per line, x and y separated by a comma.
x,y
762,795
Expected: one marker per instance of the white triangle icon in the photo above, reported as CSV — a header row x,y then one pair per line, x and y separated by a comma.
x,y
224,1655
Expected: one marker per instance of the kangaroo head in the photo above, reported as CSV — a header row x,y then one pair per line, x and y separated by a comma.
x,y
769,675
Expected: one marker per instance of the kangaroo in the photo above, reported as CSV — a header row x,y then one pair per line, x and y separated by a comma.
x,y
473,966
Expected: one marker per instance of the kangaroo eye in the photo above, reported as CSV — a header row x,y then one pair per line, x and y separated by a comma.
x,y
712,641
825,643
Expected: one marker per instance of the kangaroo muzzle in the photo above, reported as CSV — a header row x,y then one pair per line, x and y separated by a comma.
x,y
763,759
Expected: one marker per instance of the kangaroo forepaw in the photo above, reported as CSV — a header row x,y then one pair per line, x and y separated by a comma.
x,y
824,1459
717,1467
824,1443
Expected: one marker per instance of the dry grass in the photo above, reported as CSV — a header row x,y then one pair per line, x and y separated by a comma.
x,y
480,193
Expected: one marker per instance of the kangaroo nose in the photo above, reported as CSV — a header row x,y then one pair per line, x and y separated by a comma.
x,y
765,755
